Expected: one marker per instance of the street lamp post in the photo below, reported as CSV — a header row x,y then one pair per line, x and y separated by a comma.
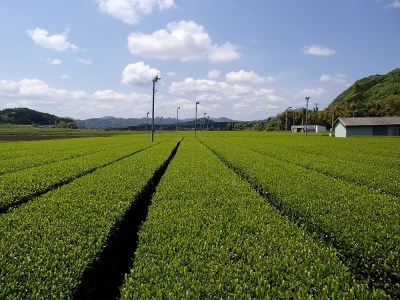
x,y
204,121
195,119
294,119
147,121
307,99
155,79
177,109
286,118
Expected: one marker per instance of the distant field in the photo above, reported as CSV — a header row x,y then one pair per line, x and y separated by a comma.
x,y
223,215
11,133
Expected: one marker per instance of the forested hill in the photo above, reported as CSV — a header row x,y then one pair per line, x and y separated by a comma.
x,y
26,116
372,96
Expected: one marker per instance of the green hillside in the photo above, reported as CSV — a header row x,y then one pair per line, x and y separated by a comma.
x,y
26,116
372,96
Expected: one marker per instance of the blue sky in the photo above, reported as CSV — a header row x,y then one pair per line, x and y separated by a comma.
x,y
241,59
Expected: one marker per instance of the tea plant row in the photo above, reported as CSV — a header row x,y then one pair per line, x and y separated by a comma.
x,y
47,244
24,184
209,235
375,167
38,154
360,222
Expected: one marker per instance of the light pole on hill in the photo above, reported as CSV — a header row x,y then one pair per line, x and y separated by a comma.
x,y
177,109
286,118
307,99
147,121
195,119
155,79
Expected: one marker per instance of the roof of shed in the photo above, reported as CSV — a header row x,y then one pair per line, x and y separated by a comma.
x,y
375,121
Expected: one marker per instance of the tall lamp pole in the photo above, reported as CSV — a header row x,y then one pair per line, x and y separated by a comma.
x,y
177,109
195,119
286,118
155,79
147,121
204,121
307,99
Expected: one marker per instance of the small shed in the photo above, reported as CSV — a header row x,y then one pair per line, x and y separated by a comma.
x,y
310,128
345,127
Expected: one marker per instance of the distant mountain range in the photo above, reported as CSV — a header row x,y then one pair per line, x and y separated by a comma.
x,y
112,122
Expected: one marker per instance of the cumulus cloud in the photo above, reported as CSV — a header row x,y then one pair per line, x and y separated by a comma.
x,y
214,74
138,74
53,61
247,77
130,11
184,41
212,90
337,78
318,50
312,92
393,4
37,94
58,42
85,61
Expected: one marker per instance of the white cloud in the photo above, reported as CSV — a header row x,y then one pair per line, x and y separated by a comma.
x,y
337,78
318,50
247,77
210,90
54,61
138,74
312,92
64,77
185,41
85,61
223,53
107,95
171,73
394,4
38,95
130,11
214,74
56,42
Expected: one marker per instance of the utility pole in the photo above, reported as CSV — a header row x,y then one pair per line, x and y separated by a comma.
x,y
315,113
208,121
177,109
195,119
286,118
147,121
294,119
204,121
155,79
307,99
161,123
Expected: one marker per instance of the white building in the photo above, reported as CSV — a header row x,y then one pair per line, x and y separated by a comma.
x,y
345,127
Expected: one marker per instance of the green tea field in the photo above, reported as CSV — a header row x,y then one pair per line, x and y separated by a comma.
x,y
223,215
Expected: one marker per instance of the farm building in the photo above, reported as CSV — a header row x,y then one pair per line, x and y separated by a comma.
x,y
310,128
345,127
